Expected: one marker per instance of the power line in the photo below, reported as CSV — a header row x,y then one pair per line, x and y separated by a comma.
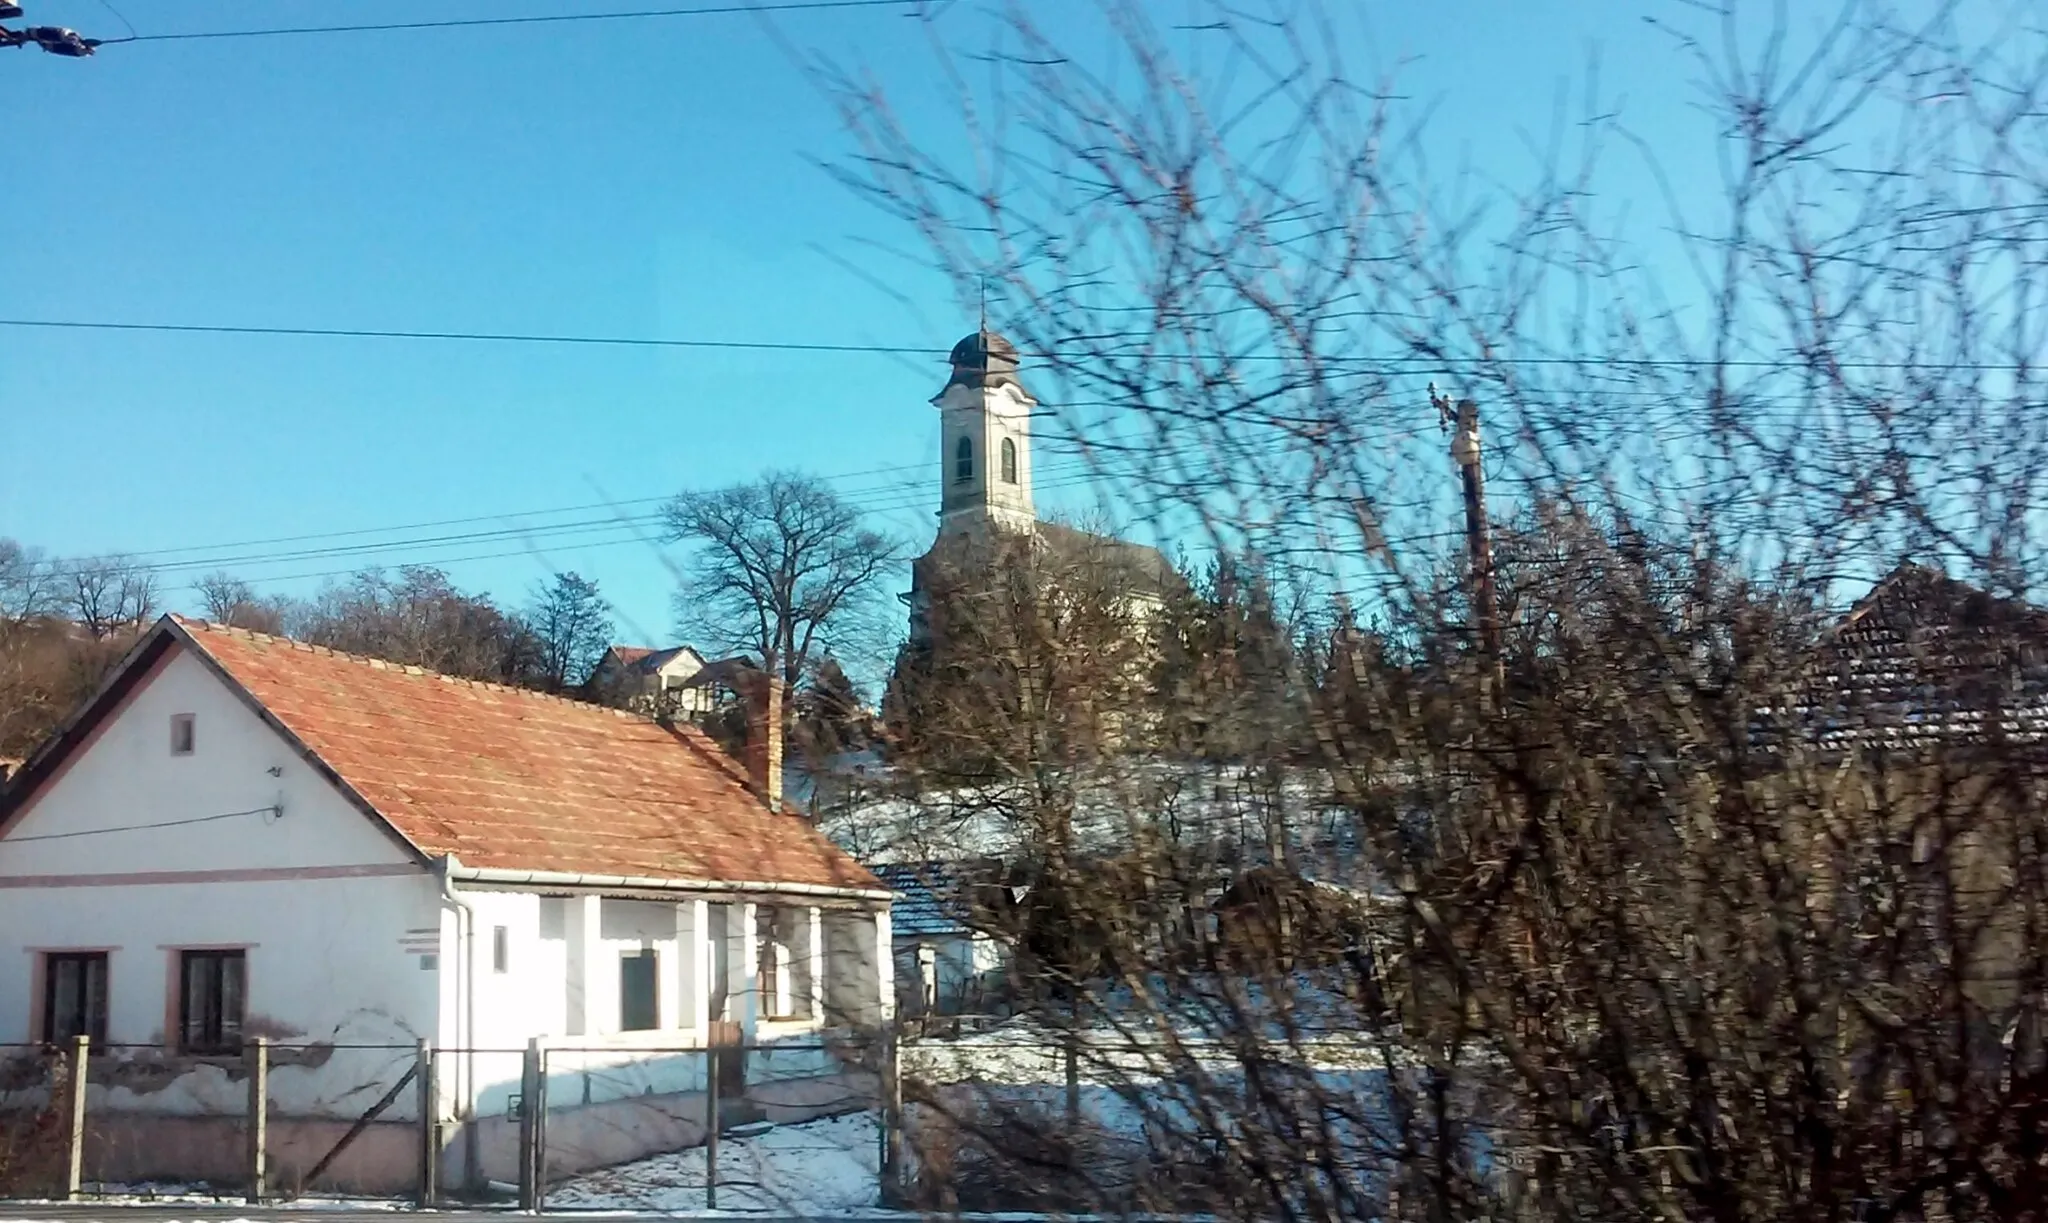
x,y
479,336
889,498
886,498
1411,361
771,6
272,810
473,518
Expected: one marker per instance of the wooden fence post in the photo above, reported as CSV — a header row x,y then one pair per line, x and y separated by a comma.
x,y
430,1124
74,1123
256,1061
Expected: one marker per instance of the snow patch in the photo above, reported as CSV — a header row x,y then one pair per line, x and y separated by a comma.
x,y
814,1168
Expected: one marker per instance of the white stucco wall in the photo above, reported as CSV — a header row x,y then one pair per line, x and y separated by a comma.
x,y
333,913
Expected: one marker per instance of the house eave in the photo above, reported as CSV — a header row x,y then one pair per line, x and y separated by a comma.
x,y
576,881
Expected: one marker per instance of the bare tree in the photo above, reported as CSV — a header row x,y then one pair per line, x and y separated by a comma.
x,y
572,625
110,594
1723,905
783,567
28,584
420,617
227,599
49,662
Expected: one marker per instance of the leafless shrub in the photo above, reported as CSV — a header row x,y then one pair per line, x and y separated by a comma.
x,y
1691,896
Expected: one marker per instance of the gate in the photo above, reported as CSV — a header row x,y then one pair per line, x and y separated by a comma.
x,y
728,1060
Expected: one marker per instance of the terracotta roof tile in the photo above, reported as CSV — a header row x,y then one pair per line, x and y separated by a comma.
x,y
510,779
630,654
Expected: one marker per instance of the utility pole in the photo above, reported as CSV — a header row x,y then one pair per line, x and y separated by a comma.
x,y
1465,452
54,39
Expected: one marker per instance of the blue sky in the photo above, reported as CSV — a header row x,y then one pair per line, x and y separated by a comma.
x,y
644,178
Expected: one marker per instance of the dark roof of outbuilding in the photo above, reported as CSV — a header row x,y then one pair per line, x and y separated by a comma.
x,y
931,898
1924,659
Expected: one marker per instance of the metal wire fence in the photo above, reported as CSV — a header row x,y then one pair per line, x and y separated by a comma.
x,y
279,1121
801,1123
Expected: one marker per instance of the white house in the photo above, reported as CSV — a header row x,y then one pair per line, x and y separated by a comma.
x,y
945,963
243,836
654,679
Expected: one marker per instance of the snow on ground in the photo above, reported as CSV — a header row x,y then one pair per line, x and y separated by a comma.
x,y
161,1194
1022,1052
813,1168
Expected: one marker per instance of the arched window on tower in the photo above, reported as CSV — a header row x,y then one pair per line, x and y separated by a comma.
x,y
1009,461
963,461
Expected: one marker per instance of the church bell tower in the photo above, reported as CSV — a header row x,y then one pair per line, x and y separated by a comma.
x,y
985,447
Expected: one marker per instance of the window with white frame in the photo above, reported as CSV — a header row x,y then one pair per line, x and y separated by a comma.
x,y
783,961
639,991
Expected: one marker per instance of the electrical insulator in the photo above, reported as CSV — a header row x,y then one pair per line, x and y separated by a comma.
x,y
59,41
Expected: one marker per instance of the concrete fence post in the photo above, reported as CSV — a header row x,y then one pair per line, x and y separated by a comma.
x,y
74,1121
1072,1057
529,1091
893,1189
540,1131
430,1124
256,1061
712,1055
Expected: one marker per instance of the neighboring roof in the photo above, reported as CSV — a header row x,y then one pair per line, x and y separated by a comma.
x,y
1145,570
646,660
501,777
1147,565
738,673
931,899
1925,658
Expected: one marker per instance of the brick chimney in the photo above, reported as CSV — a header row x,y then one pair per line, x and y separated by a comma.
x,y
764,739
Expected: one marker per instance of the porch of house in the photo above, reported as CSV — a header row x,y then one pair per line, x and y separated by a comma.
x,y
774,1006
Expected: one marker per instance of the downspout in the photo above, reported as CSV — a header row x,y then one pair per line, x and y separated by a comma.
x,y
465,1010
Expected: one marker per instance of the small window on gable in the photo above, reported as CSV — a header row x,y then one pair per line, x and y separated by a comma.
x,y
1009,461
182,729
501,949
963,461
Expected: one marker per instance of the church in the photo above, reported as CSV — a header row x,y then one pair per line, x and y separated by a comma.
x,y
985,505
982,633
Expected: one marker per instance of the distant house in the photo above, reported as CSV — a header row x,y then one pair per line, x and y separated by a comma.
x,y
945,964
242,835
652,680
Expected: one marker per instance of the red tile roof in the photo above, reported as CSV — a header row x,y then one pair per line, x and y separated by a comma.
x,y
630,654
510,779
